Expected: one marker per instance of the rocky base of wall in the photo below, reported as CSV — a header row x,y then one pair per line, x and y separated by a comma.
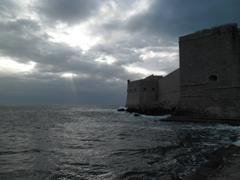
x,y
150,111
185,116
202,119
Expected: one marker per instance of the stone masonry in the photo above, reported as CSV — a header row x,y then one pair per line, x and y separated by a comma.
x,y
207,84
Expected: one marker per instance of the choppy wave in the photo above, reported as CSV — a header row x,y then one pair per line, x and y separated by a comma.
x,y
101,143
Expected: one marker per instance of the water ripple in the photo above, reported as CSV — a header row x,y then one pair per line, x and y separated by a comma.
x,y
99,143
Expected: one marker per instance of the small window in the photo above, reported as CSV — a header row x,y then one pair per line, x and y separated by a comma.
x,y
135,89
144,89
213,78
153,89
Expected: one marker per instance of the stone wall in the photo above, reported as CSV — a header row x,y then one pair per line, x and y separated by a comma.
x,y
143,94
154,93
210,72
207,83
133,94
169,90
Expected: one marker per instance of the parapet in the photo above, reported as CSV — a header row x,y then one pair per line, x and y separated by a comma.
x,y
226,28
149,78
153,77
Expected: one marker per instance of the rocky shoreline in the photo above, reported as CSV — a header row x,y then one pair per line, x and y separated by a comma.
x,y
183,117
150,111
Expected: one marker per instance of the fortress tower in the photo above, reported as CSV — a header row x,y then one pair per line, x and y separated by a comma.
x,y
142,94
210,72
207,84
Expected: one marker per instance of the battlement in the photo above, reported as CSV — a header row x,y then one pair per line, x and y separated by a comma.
x,y
217,30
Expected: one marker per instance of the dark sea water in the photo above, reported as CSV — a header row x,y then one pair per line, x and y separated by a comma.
x,y
101,143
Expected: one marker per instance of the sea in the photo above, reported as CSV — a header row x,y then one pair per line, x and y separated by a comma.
x,y
100,143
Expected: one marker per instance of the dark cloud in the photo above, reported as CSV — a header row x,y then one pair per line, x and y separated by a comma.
x,y
24,40
66,11
146,40
32,45
175,17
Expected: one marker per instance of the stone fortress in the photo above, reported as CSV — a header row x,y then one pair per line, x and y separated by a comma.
x,y
207,84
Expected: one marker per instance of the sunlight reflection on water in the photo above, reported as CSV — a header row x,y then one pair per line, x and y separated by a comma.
x,y
101,143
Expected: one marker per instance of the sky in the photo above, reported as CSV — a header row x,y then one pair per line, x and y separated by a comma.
x,y
84,51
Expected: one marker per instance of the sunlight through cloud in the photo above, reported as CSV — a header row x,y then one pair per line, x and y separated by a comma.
x,y
10,66
68,75
151,54
77,36
106,60
143,71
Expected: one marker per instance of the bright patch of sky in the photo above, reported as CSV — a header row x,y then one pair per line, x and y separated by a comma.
x,y
106,60
142,71
8,66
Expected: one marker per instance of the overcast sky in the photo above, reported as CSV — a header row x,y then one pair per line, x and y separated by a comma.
x,y
84,51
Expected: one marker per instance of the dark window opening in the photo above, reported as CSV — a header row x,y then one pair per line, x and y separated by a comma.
x,y
144,89
135,89
213,78
153,89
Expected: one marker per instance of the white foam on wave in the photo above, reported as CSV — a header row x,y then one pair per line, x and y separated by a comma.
x,y
237,143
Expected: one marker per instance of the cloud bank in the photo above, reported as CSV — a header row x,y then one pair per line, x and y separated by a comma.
x,y
83,52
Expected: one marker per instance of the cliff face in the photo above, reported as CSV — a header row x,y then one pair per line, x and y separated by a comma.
x,y
207,83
